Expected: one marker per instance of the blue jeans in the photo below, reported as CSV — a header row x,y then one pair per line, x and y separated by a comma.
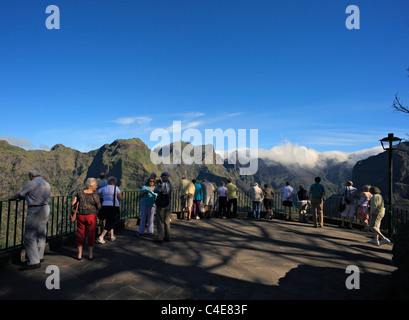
x,y
256,209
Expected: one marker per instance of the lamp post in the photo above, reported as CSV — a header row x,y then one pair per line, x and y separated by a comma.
x,y
390,144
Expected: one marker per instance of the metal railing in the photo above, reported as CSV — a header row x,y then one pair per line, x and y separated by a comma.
x,y
13,214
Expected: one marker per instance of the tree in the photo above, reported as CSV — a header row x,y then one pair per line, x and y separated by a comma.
x,y
398,104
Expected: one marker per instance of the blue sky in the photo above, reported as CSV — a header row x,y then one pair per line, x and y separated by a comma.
x,y
119,69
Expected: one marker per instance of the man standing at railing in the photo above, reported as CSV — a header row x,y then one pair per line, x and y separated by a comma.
x,y
317,193
163,203
37,194
231,199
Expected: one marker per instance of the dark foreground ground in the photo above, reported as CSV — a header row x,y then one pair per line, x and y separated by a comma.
x,y
214,259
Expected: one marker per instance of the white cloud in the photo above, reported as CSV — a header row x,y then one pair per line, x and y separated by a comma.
x,y
293,154
19,142
129,120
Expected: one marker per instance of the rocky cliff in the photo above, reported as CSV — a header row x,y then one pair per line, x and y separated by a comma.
x,y
374,171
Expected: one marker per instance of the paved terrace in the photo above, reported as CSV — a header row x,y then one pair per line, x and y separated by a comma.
x,y
223,259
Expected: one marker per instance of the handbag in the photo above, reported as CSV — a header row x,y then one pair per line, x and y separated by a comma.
x,y
341,207
74,213
346,197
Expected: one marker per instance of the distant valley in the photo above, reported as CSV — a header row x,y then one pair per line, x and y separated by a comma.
x,y
129,161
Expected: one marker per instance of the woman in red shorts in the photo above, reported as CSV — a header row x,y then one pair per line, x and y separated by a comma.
x,y
88,207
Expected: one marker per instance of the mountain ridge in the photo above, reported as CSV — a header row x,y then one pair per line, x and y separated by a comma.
x,y
129,160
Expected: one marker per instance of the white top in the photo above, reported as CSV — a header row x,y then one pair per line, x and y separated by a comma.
x,y
222,191
108,195
288,193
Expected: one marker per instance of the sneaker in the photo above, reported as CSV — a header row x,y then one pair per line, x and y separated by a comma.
x,y
99,240
113,238
385,241
197,218
374,241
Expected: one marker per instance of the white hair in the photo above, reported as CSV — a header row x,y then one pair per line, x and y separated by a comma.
x,y
35,172
90,182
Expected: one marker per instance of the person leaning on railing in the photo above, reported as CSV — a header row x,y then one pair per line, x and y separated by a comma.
x,y
37,194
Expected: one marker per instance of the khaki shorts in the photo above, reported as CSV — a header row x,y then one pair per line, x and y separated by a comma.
x,y
375,221
187,200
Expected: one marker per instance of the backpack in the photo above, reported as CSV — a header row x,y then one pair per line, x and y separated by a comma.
x,y
162,200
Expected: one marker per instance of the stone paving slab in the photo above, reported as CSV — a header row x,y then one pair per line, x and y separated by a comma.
x,y
214,259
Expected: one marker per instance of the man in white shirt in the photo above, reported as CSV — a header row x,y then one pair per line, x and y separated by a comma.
x,y
222,192
288,194
36,192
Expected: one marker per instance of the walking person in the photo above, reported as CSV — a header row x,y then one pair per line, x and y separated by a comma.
x,y
303,199
376,215
257,197
363,206
36,192
231,199
197,199
317,194
88,206
163,202
288,194
147,205
348,198
222,192
268,194
110,208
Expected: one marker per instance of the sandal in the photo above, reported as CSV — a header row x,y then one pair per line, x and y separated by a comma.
x,y
100,240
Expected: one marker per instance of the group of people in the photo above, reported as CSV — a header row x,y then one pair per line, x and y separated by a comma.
x,y
198,199
314,197
101,199
369,207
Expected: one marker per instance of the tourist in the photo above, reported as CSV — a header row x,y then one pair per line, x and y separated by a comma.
x,y
187,191
88,204
231,199
101,183
197,199
348,199
153,176
363,206
208,198
268,194
256,195
163,202
110,208
303,200
376,215
317,194
147,207
37,194
222,192
288,194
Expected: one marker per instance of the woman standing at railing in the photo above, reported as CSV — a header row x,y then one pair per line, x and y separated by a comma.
x,y
110,208
147,205
88,207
